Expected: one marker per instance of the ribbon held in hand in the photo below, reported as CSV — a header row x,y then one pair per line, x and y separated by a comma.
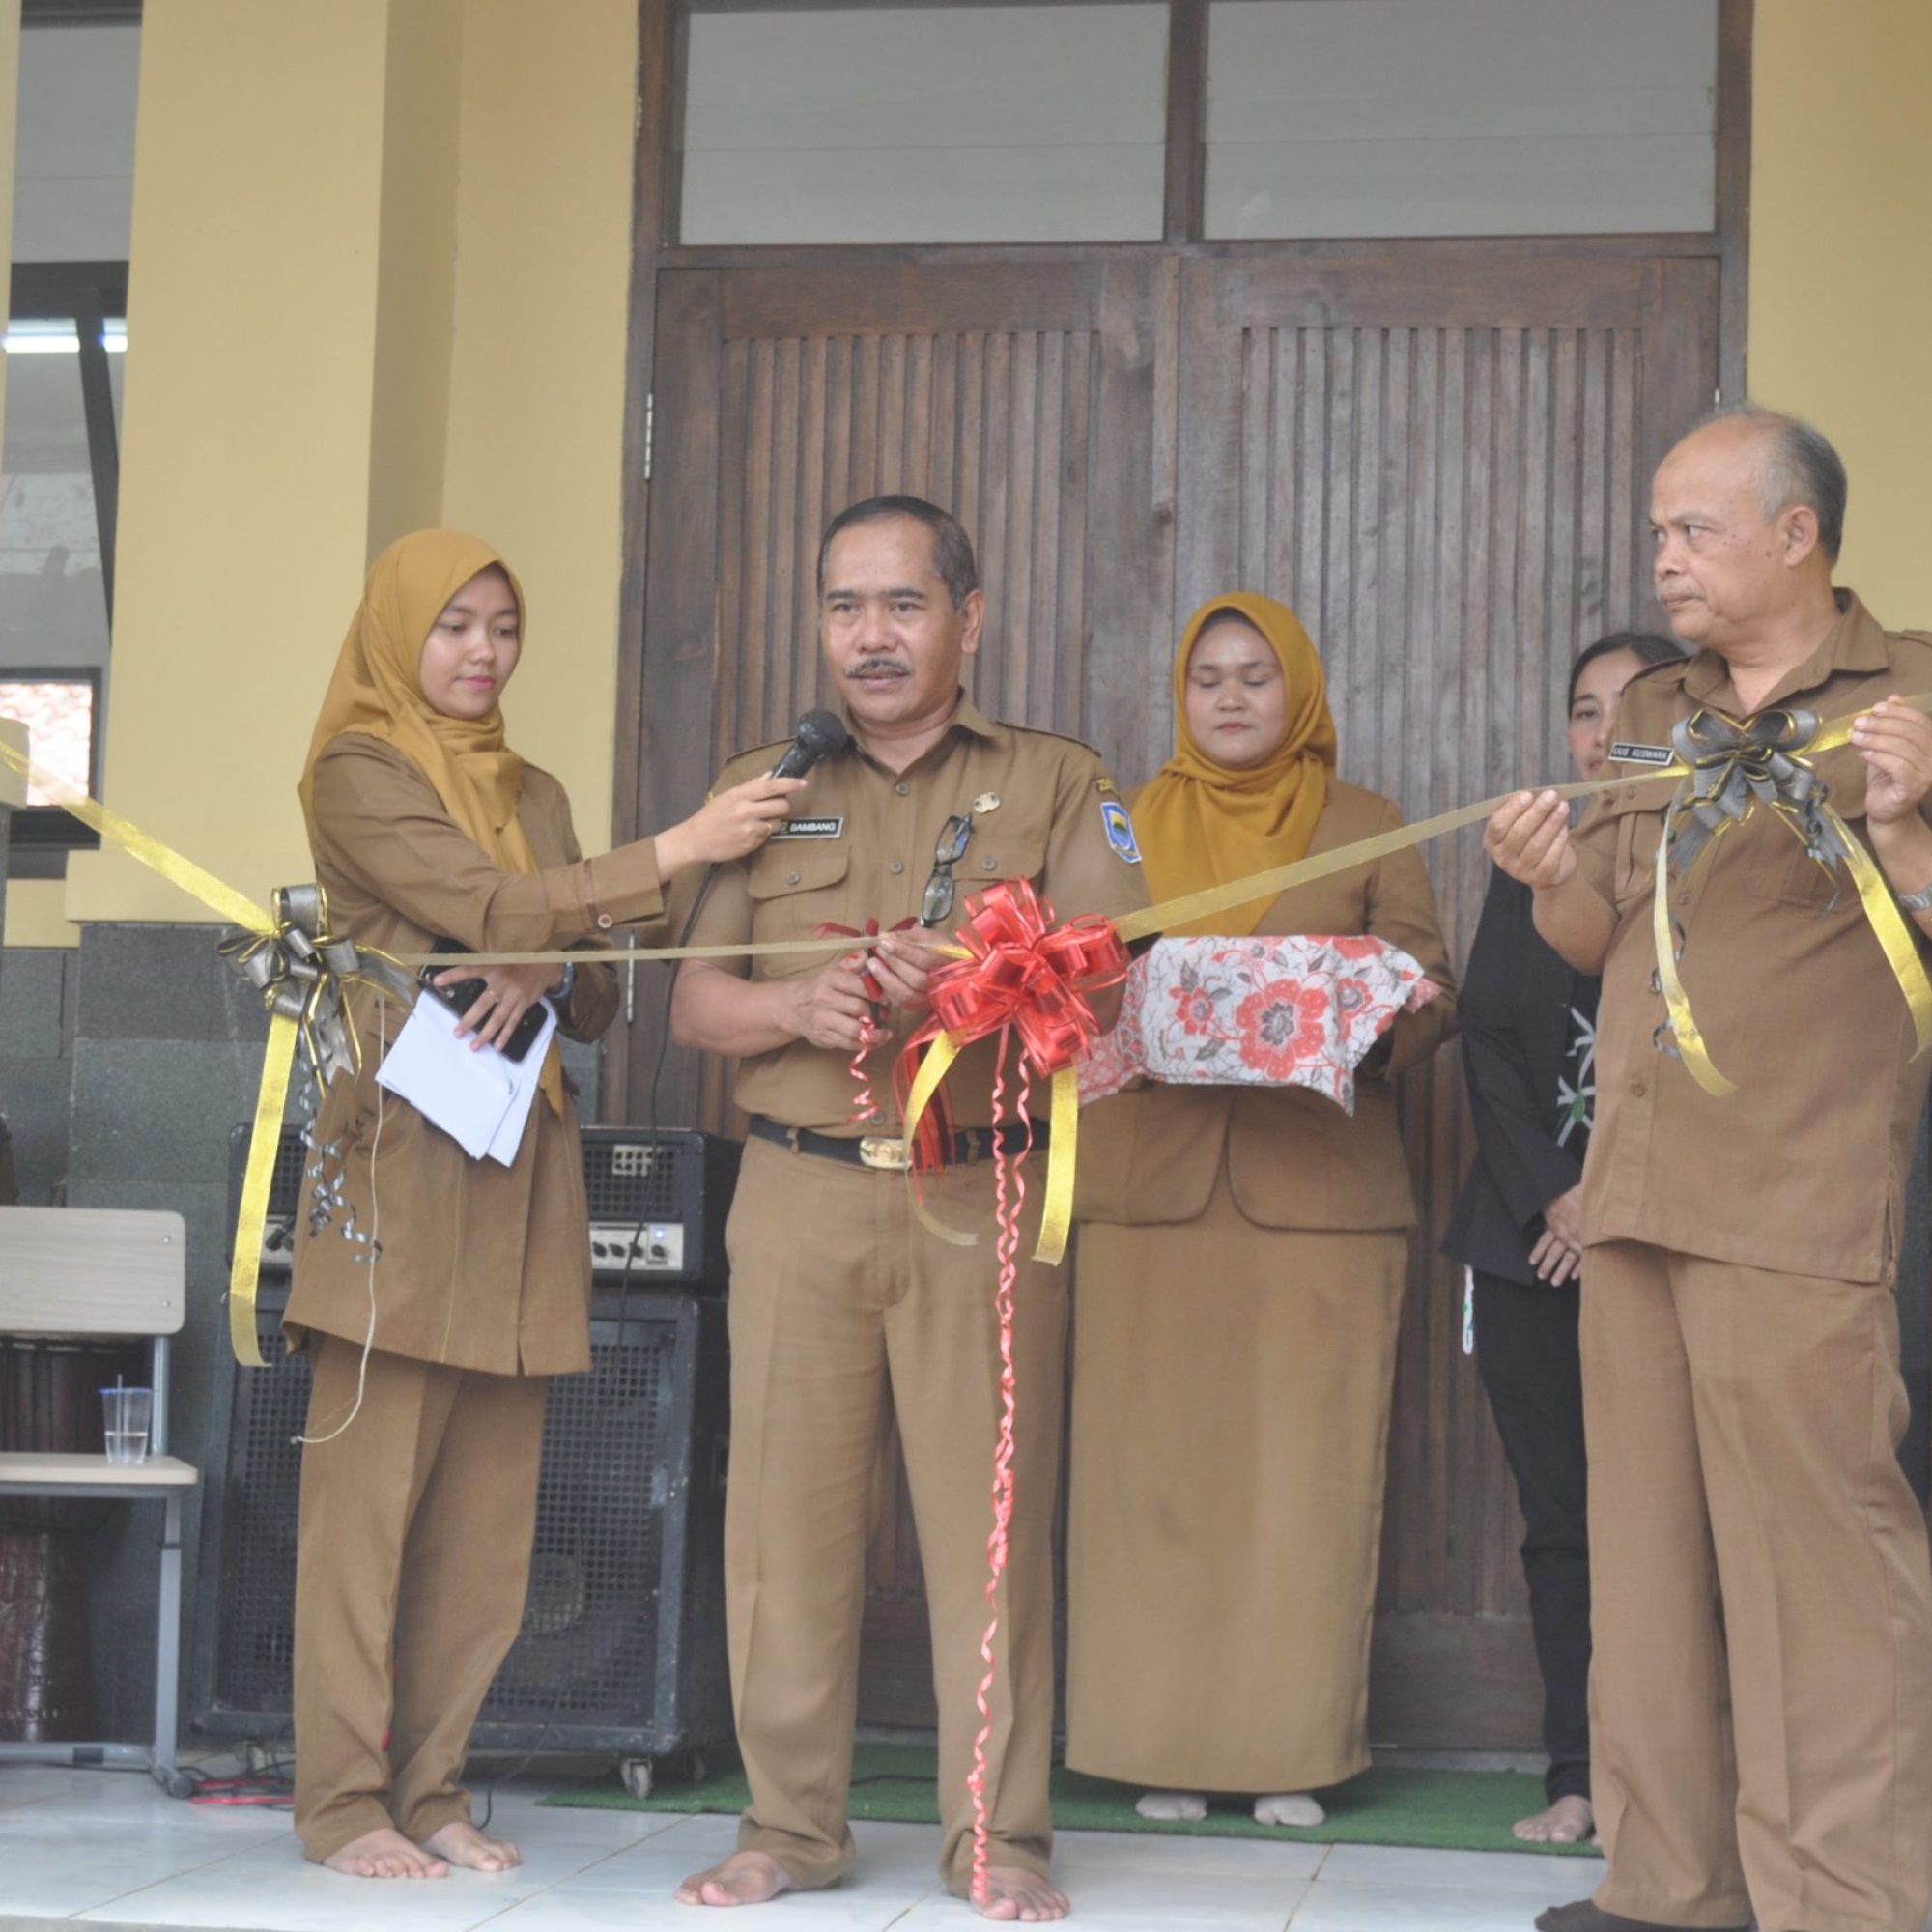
x,y
1732,767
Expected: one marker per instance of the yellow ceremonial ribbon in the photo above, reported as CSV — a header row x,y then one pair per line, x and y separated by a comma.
x,y
1895,938
932,1070
1056,1220
234,907
245,1270
1684,1028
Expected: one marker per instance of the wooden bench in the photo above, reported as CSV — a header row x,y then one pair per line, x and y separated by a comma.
x,y
106,1272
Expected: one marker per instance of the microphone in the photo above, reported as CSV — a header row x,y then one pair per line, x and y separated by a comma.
x,y
819,734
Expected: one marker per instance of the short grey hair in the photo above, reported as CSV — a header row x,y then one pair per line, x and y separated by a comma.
x,y
1800,466
952,559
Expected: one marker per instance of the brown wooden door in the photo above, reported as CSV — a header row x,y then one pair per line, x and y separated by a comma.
x,y
1037,404
1443,464
1438,458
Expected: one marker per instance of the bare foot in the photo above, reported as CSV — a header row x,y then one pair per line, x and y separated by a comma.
x,y
463,1845
745,1878
1013,1893
385,1852
1288,1807
1188,1804
1567,1822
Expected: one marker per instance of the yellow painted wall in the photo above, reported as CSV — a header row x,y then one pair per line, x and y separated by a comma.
x,y
389,296
1841,324
415,272
245,473
537,407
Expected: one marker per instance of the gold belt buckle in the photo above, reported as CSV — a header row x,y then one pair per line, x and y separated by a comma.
x,y
884,1152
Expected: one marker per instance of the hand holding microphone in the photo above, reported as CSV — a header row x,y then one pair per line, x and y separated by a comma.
x,y
735,823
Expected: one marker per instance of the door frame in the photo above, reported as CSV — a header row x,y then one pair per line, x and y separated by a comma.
x,y
663,40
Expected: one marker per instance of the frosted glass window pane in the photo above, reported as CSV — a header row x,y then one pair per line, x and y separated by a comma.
x,y
53,610
1345,117
940,124
73,163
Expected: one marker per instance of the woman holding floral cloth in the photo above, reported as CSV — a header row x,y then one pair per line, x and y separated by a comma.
x,y
1240,1271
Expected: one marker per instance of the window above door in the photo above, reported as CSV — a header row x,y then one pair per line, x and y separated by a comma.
x,y
1360,118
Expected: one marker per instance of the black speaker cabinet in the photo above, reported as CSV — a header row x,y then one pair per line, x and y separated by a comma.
x,y
622,1645
658,1198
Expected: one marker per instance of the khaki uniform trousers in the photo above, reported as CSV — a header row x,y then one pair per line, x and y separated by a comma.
x,y
844,1311
1761,1689
412,1563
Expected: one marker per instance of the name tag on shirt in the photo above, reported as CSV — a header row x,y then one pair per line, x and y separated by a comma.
x,y
810,828
1641,754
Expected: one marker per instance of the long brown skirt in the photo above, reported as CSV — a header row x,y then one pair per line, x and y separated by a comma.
x,y
1231,1402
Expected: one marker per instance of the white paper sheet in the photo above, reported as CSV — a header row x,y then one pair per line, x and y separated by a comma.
x,y
525,1074
476,1096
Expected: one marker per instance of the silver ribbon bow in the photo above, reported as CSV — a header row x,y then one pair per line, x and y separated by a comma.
x,y
301,970
1736,766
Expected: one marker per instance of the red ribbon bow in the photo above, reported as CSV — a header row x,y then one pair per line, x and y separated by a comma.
x,y
1024,976
1020,975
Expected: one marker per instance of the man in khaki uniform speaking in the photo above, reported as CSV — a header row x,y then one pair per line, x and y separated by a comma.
x,y
1761,1696
843,1308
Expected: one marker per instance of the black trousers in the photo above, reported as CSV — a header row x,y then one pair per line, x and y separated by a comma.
x,y
1526,1353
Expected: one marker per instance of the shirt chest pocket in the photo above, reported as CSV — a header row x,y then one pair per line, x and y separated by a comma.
x,y
796,886
1777,866
1638,824
1011,852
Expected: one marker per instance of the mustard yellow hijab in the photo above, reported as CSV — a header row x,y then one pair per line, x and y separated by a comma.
x,y
1197,822
377,690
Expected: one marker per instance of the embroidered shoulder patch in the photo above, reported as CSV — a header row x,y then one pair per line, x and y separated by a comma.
x,y
1120,830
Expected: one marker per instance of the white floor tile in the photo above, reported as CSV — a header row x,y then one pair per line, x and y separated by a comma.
x,y
1410,1908
1077,1853
1539,1876
73,1869
91,1848
276,1889
897,1867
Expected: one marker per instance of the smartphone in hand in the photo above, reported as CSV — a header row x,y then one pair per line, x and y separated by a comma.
x,y
463,994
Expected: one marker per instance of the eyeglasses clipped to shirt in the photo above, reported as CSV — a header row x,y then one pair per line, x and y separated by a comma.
x,y
935,903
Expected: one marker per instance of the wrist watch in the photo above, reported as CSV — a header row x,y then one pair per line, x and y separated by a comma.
x,y
561,993
1919,901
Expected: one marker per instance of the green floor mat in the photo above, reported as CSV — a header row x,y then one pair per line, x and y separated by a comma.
x,y
1444,1811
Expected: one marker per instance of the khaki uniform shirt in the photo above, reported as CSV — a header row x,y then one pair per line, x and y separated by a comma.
x,y
861,847
1801,1170
1293,1158
483,1267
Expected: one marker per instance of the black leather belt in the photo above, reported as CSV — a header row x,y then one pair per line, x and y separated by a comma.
x,y
887,1152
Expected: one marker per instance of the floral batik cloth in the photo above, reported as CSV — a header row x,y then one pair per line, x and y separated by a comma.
x,y
1286,1012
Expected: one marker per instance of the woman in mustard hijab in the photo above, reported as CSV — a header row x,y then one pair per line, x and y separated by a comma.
x,y
1241,1259
442,1290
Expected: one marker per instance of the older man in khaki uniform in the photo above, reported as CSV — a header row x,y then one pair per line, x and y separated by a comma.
x,y
1761,1697
844,1310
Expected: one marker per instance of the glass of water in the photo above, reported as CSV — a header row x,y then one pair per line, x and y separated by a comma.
x,y
126,1416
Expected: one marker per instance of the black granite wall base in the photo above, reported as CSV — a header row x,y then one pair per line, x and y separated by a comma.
x,y
36,1027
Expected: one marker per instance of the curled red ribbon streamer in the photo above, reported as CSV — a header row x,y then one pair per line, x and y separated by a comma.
x,y
1021,977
